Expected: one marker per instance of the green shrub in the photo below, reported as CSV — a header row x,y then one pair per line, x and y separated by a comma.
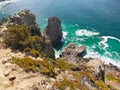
x,y
47,68
34,42
112,78
27,63
62,85
15,36
101,85
20,37
75,83
63,65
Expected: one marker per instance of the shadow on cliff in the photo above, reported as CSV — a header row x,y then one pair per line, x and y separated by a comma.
x,y
59,47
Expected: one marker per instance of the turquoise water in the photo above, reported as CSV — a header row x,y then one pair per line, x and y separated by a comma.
x,y
94,23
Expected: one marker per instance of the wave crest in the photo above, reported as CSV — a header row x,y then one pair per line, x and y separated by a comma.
x,y
85,32
4,3
105,39
104,57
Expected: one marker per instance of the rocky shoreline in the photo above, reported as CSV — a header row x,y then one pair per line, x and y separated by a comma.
x,y
70,71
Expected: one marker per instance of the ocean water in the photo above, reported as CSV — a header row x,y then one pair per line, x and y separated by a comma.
x,y
93,23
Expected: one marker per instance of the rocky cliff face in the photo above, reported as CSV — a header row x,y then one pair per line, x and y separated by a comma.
x,y
70,71
73,53
25,17
98,68
53,31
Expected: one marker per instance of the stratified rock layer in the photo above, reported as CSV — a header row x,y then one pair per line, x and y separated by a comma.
x,y
53,31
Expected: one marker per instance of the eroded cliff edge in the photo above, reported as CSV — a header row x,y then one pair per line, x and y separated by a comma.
x,y
29,69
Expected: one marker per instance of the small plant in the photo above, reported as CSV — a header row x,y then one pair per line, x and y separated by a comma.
x,y
101,85
62,85
76,82
47,68
112,78
62,64
27,63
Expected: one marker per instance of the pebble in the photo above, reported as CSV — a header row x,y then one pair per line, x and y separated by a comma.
x,y
12,78
7,73
4,61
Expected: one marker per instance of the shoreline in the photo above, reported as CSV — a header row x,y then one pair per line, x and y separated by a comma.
x,y
35,59
95,54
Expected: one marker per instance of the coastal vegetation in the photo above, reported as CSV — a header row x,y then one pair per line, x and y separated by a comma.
x,y
19,37
48,67
112,78
71,71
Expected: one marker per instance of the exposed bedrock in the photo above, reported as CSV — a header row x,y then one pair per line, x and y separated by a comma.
x,y
53,31
25,17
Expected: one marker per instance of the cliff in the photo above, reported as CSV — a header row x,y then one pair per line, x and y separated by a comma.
x,y
32,66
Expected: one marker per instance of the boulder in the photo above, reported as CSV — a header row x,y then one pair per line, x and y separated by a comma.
x,y
53,31
25,17
73,53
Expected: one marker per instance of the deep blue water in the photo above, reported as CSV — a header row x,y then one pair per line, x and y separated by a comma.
x,y
94,23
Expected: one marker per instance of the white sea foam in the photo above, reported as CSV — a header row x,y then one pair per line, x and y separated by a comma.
x,y
64,34
85,32
76,24
92,54
4,3
110,37
104,58
108,60
104,43
57,53
105,39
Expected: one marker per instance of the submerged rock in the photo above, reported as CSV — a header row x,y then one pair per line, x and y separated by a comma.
x,y
53,31
25,17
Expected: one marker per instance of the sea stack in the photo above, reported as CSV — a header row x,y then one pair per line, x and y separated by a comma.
x,y
53,31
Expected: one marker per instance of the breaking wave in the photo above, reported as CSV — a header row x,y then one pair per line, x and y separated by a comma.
x,y
106,57
85,32
4,3
105,39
